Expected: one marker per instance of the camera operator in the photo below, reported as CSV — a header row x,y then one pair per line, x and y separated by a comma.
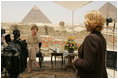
x,y
2,38
2,45
11,58
22,48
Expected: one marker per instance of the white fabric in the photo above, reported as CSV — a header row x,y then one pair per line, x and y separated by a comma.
x,y
72,5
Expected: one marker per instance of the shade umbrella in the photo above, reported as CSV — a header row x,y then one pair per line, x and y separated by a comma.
x,y
72,5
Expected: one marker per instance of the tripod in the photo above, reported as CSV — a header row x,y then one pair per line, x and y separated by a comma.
x,y
112,53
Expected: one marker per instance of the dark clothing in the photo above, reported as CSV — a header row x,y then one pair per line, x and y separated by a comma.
x,y
11,60
23,53
91,60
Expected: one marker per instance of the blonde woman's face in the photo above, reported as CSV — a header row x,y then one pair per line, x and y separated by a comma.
x,y
34,31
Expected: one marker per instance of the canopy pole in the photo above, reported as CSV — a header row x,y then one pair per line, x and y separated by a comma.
x,y
72,18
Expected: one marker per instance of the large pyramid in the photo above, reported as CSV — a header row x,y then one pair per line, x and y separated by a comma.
x,y
108,10
35,16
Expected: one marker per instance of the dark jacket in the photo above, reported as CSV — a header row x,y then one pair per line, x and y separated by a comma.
x,y
91,60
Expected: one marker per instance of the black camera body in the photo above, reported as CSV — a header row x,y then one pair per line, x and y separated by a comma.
x,y
3,31
108,20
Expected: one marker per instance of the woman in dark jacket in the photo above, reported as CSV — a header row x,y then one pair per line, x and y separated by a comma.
x,y
91,54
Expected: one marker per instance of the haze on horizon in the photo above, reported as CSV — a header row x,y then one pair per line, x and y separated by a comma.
x,y
15,11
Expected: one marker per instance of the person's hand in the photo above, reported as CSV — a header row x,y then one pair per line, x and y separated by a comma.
x,y
75,60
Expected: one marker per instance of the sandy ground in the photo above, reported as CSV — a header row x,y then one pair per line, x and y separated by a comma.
x,y
48,72
56,72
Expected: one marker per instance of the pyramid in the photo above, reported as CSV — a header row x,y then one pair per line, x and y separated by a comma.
x,y
35,16
108,10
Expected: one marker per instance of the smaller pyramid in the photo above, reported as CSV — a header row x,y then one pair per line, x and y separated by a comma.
x,y
35,16
109,10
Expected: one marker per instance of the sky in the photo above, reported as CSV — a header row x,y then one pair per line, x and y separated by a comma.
x,y
15,11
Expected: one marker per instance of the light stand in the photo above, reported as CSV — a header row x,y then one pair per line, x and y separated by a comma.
x,y
114,41
114,34
109,20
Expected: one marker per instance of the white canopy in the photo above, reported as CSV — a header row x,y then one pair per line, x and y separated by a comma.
x,y
72,5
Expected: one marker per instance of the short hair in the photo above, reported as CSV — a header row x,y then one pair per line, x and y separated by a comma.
x,y
94,21
34,27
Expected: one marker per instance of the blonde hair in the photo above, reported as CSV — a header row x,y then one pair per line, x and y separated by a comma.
x,y
94,21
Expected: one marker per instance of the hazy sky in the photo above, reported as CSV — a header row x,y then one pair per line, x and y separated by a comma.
x,y
15,11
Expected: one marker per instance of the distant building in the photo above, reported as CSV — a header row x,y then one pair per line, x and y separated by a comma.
x,y
35,16
109,10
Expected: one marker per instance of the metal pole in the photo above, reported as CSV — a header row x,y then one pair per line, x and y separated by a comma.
x,y
72,17
72,21
107,25
114,41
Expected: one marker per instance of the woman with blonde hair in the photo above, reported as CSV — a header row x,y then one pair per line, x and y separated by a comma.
x,y
33,40
91,54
